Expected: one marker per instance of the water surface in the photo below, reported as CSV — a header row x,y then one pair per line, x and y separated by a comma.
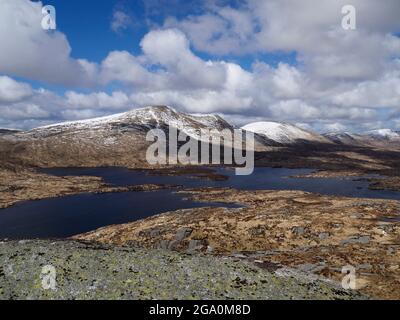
x,y
71,215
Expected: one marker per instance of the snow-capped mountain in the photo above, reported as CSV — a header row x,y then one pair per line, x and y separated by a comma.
x,y
136,123
119,128
343,138
378,137
387,134
284,133
118,139
139,119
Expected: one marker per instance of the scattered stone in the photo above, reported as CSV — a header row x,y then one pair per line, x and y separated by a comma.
x,y
386,227
271,252
324,235
365,266
151,233
299,231
356,240
392,250
257,232
267,265
183,233
132,243
238,255
210,249
173,245
195,245
310,267
163,244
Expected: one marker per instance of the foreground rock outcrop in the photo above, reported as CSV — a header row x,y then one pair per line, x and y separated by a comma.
x,y
87,271
313,233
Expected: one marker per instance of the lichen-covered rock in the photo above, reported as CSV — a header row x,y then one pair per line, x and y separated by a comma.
x,y
289,228
90,271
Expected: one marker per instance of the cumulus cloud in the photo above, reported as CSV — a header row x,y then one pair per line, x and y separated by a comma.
x,y
311,28
97,100
170,49
24,111
31,52
384,92
13,91
334,127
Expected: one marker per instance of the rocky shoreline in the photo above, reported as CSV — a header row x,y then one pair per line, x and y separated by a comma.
x,y
25,185
390,183
386,183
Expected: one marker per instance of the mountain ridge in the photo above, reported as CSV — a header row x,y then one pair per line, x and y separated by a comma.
x,y
376,137
120,139
268,133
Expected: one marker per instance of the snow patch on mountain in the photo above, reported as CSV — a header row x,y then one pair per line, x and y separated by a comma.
x,y
149,116
283,132
380,137
143,119
383,133
342,137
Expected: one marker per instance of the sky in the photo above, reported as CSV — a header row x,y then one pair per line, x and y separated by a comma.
x,y
246,60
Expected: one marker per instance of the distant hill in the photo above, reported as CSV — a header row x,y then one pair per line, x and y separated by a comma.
x,y
8,131
377,138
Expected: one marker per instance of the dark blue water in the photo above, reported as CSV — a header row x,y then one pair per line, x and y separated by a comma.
x,y
71,215
261,179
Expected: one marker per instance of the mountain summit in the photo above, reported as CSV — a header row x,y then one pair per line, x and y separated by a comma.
x,y
143,119
118,139
284,133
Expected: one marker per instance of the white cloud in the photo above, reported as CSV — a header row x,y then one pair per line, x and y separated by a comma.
x,y
384,92
24,111
334,127
13,91
170,49
311,28
124,67
31,52
98,100
288,81
222,31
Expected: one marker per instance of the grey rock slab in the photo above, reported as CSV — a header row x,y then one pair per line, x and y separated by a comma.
x,y
93,271
183,233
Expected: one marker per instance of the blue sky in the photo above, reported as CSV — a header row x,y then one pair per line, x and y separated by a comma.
x,y
87,26
247,60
